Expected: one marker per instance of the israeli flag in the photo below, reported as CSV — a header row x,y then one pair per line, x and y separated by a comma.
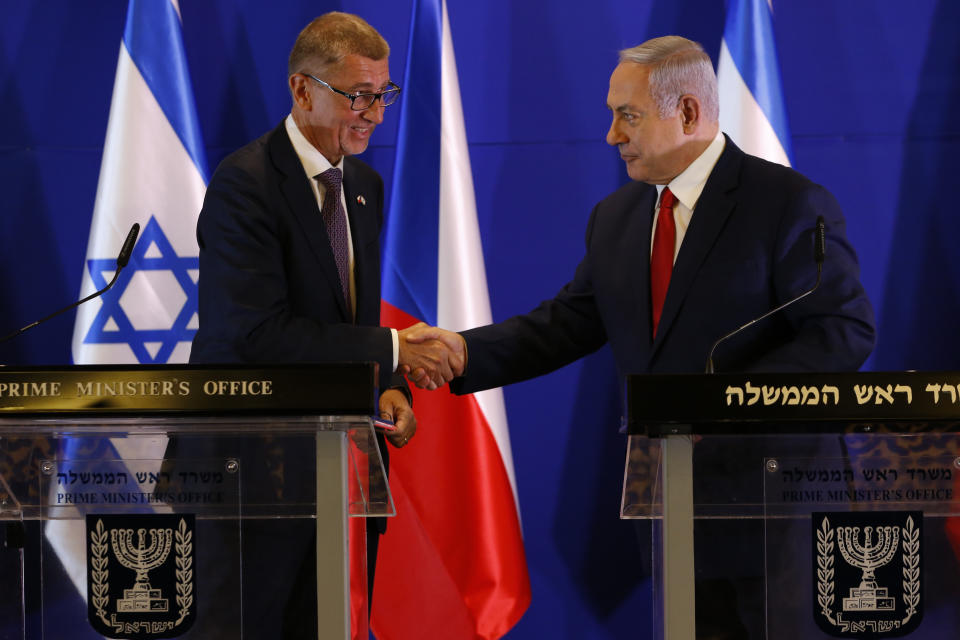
x,y
751,96
153,173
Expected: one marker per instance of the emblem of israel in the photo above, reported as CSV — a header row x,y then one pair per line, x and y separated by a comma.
x,y
141,557
140,579
867,573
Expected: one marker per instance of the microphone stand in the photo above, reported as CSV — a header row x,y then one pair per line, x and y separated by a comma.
x,y
820,243
122,261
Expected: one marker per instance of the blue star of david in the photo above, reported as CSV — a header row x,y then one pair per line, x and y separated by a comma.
x,y
168,260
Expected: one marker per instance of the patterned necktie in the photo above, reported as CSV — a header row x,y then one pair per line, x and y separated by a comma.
x,y
661,258
335,219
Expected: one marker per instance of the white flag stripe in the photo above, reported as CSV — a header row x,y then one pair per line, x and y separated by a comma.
x,y
66,536
463,301
740,115
151,290
145,172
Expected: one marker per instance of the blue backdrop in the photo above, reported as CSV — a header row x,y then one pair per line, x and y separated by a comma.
x,y
870,88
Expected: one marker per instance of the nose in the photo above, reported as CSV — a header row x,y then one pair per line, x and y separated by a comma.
x,y
374,113
615,135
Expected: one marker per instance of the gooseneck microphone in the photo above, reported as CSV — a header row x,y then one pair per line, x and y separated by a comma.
x,y
819,252
127,249
122,261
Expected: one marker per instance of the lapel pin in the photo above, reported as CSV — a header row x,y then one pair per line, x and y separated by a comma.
x,y
362,201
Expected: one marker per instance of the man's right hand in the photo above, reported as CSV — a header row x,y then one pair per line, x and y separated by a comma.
x,y
430,356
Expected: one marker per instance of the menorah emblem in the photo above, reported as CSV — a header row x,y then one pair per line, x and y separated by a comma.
x,y
141,558
868,557
863,548
160,549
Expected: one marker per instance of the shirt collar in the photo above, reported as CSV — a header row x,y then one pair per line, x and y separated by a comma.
x,y
314,163
688,186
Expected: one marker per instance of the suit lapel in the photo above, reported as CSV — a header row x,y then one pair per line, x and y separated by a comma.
x,y
709,217
299,195
643,215
363,230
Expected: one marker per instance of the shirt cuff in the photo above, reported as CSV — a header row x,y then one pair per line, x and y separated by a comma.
x,y
396,348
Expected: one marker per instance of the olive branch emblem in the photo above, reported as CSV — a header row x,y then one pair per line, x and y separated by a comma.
x,y
911,568
99,571
184,561
99,586
825,571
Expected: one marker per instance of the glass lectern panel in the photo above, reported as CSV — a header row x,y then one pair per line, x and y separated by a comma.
x,y
866,544
144,542
799,505
175,527
804,536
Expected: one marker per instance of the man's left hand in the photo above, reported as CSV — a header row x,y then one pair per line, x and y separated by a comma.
x,y
394,407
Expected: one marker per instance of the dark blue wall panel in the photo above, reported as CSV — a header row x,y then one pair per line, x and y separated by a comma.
x,y
871,87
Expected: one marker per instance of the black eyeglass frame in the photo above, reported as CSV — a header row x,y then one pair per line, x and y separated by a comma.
x,y
391,90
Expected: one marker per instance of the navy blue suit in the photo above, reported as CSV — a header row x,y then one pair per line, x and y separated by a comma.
x,y
749,247
269,287
270,293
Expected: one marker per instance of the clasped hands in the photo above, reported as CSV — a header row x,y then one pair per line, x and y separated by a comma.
x,y
430,357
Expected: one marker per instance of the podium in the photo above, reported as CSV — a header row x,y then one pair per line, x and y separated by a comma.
x,y
193,502
798,505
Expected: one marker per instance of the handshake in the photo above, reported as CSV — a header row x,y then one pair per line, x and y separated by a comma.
x,y
430,357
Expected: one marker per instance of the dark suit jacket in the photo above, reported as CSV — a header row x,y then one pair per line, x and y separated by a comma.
x,y
270,293
749,247
269,288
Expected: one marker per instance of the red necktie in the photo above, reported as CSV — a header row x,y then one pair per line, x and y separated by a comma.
x,y
661,259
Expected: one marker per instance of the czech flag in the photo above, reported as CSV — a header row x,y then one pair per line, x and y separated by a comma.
x,y
452,563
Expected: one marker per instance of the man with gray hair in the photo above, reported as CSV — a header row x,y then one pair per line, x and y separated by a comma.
x,y
704,239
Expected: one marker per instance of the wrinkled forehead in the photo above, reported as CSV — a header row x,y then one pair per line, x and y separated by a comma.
x,y
359,72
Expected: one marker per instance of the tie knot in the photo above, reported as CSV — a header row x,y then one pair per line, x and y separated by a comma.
x,y
667,199
331,179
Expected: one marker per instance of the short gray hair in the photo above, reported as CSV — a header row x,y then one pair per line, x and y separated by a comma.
x,y
678,67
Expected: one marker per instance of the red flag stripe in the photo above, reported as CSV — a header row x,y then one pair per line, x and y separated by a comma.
x,y
457,520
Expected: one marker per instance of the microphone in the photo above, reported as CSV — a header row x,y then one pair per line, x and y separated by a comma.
x,y
127,249
122,261
819,252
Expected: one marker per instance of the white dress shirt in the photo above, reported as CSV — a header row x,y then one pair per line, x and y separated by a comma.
x,y
314,163
687,188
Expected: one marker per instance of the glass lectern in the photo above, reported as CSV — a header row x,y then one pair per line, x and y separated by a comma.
x,y
799,506
193,502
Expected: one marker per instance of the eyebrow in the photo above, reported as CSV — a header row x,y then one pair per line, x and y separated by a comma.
x,y
367,87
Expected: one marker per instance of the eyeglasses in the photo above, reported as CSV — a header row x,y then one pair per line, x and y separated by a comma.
x,y
363,101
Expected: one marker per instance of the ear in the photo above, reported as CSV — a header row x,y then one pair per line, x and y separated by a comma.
x,y
298,89
689,110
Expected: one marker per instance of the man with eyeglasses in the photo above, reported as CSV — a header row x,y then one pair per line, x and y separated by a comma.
x,y
290,265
